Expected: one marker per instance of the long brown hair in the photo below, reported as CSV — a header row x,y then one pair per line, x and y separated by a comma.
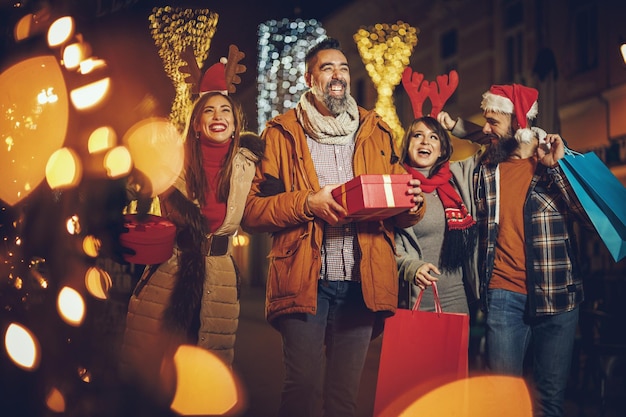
x,y
195,176
444,139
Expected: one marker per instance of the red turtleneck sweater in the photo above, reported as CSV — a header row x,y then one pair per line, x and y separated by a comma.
x,y
213,156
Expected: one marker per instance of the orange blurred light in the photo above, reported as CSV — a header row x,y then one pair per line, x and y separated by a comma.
x,y
63,169
98,282
55,401
60,31
22,347
71,306
87,96
101,139
118,162
480,396
205,385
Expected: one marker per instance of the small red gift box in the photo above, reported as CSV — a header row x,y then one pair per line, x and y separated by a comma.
x,y
371,197
152,239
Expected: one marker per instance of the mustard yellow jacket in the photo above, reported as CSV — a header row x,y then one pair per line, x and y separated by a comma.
x,y
295,257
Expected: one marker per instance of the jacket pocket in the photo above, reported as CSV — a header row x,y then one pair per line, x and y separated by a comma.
x,y
287,268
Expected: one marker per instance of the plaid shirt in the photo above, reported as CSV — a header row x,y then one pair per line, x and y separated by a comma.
x,y
553,276
340,252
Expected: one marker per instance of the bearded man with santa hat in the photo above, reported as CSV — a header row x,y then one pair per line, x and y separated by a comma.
x,y
531,280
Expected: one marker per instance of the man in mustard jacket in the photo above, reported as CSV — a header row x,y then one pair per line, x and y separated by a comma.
x,y
329,280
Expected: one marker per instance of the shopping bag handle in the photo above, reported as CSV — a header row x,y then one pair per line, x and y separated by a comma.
x,y
436,294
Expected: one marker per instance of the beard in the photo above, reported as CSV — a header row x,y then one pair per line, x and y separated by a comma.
x,y
501,149
336,105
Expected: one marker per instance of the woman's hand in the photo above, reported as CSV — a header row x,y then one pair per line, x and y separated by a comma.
x,y
423,278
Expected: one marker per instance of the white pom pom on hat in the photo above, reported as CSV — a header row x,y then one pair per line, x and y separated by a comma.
x,y
514,99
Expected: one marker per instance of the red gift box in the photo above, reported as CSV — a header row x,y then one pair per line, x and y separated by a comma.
x,y
152,239
371,197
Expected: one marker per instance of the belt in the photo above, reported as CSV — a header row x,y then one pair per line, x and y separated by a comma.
x,y
216,245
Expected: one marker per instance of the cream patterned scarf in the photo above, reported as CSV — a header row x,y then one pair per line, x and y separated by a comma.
x,y
328,130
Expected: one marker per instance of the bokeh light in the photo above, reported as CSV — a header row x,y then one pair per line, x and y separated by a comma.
x,y
118,162
282,46
33,105
60,31
385,50
55,401
204,384
98,282
156,147
479,396
101,139
89,95
173,29
64,169
22,347
71,306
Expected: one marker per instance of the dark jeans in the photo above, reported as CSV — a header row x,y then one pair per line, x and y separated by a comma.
x,y
509,333
343,325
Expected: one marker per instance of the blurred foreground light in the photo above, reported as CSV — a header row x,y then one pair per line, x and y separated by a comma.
x,y
63,169
34,114
156,147
87,96
98,282
101,139
71,306
205,385
55,401
22,347
73,225
118,162
60,31
75,53
622,50
480,396
91,246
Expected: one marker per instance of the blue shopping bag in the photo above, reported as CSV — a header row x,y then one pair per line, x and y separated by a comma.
x,y
602,196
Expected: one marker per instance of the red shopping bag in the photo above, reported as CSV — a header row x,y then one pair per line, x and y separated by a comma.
x,y
420,352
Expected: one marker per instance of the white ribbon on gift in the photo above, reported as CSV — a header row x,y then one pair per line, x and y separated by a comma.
x,y
388,191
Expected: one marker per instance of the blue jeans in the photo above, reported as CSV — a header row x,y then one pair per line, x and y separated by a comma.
x,y
509,332
343,325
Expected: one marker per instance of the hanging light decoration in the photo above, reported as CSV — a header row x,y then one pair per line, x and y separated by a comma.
x,y
173,29
385,50
282,46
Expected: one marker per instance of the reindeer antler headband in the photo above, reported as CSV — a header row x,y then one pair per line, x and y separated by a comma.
x,y
221,76
419,89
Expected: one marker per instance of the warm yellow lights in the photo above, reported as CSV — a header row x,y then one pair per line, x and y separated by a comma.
x,y
98,282
156,147
118,162
34,106
385,50
55,401
173,29
75,53
63,169
71,306
204,384
72,225
91,246
87,96
101,139
622,50
60,31
480,396
22,347
241,240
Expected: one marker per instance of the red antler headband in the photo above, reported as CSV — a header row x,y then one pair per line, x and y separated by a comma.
x,y
221,76
419,89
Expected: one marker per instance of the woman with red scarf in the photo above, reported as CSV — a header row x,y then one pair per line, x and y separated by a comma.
x,y
441,247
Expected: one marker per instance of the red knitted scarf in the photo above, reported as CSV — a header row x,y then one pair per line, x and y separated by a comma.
x,y
457,216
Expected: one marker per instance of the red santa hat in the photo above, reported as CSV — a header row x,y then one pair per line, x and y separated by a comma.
x,y
515,99
214,78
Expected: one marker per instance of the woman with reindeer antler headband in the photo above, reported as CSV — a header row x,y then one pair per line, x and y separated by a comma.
x,y
193,298
440,248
